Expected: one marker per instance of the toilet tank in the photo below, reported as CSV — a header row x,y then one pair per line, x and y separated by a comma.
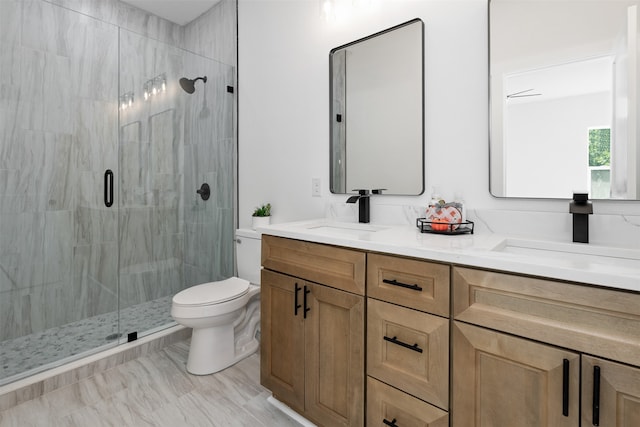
x,y
248,255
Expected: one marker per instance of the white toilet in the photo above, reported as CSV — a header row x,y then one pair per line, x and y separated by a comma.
x,y
224,315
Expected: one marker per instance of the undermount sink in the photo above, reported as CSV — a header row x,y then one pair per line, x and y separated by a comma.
x,y
344,229
575,252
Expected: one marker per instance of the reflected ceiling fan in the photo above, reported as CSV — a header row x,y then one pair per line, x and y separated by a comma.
x,y
522,94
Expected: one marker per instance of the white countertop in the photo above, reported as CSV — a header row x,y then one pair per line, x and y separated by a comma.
x,y
619,268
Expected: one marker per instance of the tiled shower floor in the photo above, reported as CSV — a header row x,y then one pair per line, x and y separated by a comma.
x,y
24,356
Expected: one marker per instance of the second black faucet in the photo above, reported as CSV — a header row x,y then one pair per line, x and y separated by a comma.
x,y
580,207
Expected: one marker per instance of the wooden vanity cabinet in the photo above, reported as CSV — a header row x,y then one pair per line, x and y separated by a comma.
x,y
312,355
525,351
522,346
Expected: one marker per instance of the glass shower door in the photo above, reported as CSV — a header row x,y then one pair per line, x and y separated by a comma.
x,y
58,135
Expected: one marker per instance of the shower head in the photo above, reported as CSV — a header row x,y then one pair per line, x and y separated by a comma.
x,y
189,85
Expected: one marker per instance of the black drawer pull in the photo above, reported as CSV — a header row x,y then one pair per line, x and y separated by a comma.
x,y
296,303
596,396
391,423
403,344
394,282
565,387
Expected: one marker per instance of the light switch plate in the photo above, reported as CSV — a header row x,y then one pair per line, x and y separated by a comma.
x,y
315,187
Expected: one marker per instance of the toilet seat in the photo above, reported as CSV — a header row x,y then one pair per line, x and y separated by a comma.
x,y
212,293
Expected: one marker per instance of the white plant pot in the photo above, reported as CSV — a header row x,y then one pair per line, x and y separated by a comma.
x,y
260,221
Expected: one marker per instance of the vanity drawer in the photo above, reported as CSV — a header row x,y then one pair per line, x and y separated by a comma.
x,y
602,322
387,403
409,282
329,265
409,349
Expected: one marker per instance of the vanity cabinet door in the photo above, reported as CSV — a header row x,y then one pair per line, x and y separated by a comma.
x,y
610,394
282,338
334,336
312,358
503,381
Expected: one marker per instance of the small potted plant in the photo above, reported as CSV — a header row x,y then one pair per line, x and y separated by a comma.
x,y
262,216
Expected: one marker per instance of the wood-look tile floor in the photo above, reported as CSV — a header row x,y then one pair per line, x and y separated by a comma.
x,y
156,390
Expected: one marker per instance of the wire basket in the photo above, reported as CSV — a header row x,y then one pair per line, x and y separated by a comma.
x,y
426,226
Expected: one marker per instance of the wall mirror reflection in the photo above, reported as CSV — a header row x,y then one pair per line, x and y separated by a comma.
x,y
564,98
377,112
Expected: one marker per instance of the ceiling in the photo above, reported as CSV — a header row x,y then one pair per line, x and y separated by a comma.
x,y
179,11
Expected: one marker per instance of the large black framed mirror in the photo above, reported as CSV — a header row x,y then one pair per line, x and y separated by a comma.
x,y
564,98
377,112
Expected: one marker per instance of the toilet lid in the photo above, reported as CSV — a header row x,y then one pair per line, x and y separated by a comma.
x,y
212,292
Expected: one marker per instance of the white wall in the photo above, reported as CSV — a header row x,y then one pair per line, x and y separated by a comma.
x,y
549,149
284,105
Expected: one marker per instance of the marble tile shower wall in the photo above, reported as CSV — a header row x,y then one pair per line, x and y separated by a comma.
x,y
209,250
214,41
59,132
151,172
209,225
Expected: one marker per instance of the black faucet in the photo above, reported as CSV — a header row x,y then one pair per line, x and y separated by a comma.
x,y
581,208
363,205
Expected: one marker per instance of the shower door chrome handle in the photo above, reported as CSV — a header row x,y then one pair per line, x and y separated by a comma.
x,y
108,188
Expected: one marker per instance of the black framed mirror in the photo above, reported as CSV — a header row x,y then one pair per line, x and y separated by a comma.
x,y
377,112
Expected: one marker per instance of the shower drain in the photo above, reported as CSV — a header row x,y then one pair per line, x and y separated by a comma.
x,y
113,337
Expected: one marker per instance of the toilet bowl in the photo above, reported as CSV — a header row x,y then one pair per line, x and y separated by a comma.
x,y
224,315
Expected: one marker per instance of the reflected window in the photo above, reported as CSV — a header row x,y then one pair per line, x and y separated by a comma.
x,y
600,163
